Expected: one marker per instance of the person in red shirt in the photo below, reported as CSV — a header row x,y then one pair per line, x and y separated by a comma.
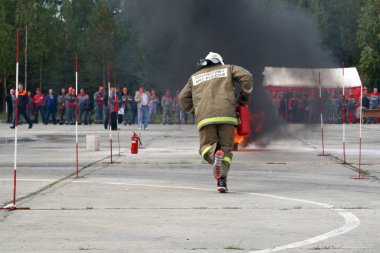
x,y
39,103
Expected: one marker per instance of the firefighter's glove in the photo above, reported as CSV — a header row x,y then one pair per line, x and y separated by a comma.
x,y
243,100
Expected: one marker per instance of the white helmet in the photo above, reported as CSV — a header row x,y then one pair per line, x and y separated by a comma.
x,y
211,57
214,58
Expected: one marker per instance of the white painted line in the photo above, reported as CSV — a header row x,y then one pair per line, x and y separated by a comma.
x,y
350,220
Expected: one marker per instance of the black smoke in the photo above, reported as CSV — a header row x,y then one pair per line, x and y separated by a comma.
x,y
249,33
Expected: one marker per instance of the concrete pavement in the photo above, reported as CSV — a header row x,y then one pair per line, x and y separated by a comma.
x,y
283,197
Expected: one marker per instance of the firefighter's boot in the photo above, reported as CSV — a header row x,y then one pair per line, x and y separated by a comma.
x,y
222,185
218,159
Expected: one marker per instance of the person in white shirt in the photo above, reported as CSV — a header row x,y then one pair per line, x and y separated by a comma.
x,y
142,98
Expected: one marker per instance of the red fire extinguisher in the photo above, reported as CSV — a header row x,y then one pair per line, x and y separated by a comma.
x,y
244,127
135,141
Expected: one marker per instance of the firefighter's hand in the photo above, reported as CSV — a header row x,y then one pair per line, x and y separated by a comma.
x,y
243,100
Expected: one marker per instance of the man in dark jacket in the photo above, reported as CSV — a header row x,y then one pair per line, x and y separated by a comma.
x,y
88,105
9,101
129,111
22,100
365,103
51,107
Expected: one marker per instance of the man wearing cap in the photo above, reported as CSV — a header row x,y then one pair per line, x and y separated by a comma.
x,y
210,95
39,102
99,105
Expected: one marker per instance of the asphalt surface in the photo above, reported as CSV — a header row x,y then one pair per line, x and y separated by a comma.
x,y
283,196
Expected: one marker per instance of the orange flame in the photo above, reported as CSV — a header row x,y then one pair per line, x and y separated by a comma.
x,y
237,138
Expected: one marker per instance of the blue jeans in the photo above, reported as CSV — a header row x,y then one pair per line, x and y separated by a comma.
x,y
99,114
152,113
87,117
142,116
81,113
48,113
39,109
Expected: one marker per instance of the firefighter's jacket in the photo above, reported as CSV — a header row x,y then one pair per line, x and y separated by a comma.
x,y
210,94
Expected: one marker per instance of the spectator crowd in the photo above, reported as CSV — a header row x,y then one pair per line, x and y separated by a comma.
x,y
146,107
118,107
299,107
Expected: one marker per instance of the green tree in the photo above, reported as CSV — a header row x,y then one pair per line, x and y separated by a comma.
x,y
369,41
75,31
39,18
7,49
104,39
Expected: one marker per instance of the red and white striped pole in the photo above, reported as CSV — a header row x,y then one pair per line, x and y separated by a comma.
x,y
343,118
16,116
76,115
12,206
109,108
117,113
360,132
321,112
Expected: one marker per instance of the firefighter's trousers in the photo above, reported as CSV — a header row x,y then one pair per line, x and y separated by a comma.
x,y
214,137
